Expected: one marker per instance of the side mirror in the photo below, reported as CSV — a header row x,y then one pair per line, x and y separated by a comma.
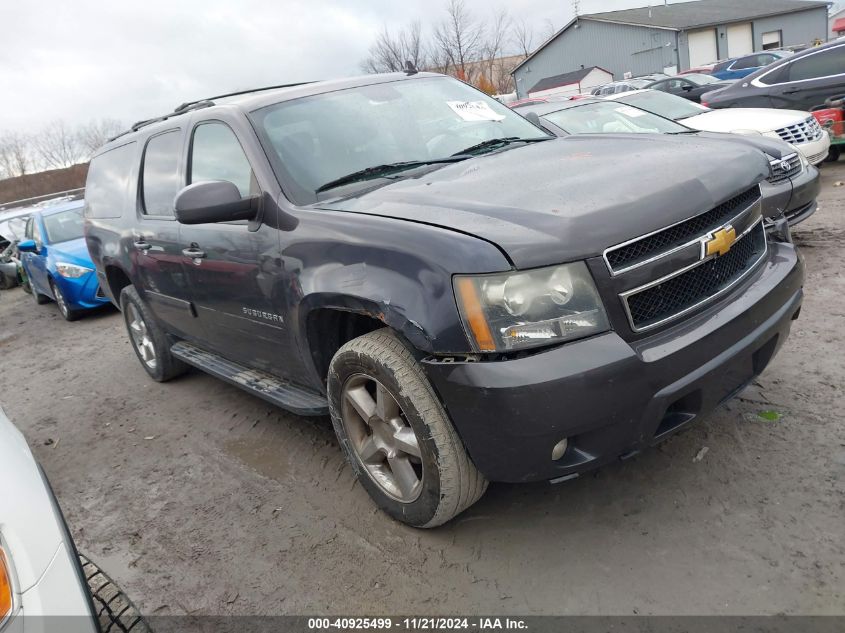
x,y
27,246
214,201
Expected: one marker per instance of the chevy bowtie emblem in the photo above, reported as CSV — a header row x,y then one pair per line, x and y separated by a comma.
x,y
720,242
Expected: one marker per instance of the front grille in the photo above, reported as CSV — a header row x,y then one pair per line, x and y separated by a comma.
x,y
679,294
785,169
804,132
815,159
641,250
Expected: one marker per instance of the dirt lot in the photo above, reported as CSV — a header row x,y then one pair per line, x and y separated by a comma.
x,y
199,498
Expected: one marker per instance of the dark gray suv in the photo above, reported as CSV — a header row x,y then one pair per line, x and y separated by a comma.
x,y
471,299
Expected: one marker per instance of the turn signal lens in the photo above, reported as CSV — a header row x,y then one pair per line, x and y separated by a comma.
x,y
5,586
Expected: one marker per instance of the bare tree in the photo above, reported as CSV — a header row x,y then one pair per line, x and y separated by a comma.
x,y
523,37
390,52
549,29
58,146
459,38
14,155
95,134
493,46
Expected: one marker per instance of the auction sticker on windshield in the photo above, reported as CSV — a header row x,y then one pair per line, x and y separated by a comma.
x,y
474,111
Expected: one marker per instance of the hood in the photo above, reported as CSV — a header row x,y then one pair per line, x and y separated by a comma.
x,y
757,119
774,147
73,252
570,198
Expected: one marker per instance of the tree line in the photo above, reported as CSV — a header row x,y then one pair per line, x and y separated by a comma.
x,y
461,44
55,146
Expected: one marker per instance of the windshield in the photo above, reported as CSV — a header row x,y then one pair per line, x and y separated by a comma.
x,y
663,104
64,226
700,79
316,140
612,118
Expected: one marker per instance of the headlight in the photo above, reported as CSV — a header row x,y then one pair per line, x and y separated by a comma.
x,y
518,310
71,271
6,595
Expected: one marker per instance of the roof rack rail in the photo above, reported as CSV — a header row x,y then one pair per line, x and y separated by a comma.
x,y
187,105
198,105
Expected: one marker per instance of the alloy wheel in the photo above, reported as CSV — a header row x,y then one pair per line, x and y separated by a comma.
x,y
381,438
60,299
141,338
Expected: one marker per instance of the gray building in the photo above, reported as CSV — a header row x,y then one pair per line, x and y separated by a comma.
x,y
674,37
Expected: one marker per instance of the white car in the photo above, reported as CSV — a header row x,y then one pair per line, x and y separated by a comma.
x,y
45,585
799,129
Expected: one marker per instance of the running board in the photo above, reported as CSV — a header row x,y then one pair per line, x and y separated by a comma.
x,y
259,383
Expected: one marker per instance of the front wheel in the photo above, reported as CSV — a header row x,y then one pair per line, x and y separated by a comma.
x,y
148,339
65,310
396,435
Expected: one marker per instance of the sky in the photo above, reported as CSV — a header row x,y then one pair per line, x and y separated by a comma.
x,y
81,60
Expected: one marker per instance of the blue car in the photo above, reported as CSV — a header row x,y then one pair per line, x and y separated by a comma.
x,y
56,260
739,67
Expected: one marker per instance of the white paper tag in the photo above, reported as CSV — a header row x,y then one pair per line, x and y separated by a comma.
x,y
474,111
629,111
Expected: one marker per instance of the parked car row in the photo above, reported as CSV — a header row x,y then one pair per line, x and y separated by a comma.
x,y
790,190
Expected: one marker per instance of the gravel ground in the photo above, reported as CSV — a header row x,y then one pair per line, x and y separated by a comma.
x,y
199,498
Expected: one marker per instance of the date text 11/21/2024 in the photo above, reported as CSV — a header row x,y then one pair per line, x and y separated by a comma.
x,y
417,624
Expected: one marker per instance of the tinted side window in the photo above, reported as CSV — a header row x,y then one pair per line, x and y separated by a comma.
x,y
746,62
107,183
216,154
824,64
161,173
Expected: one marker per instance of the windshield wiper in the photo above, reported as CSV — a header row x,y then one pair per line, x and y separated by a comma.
x,y
500,142
378,171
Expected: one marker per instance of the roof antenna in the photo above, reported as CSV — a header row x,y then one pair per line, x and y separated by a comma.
x,y
410,69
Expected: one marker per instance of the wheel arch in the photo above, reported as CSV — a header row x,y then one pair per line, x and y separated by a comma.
x,y
117,280
328,322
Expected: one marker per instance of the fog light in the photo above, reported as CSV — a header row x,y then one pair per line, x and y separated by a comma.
x,y
559,449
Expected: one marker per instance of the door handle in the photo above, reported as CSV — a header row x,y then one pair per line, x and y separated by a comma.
x,y
141,245
193,252
791,91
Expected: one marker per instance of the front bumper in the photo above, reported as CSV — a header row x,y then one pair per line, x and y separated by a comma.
x,y
611,397
82,293
794,198
815,151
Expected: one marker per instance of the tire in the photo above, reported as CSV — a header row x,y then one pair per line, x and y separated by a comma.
x,y
448,482
114,611
833,154
6,283
39,298
65,310
148,337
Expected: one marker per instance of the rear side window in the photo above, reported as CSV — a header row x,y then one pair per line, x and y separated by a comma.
x,y
108,182
216,154
160,179
752,61
824,64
